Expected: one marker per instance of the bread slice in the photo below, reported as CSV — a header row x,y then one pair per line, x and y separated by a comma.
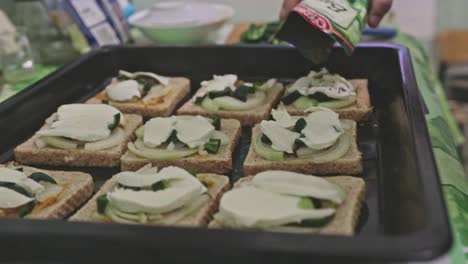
x,y
347,214
28,153
349,164
357,111
180,88
247,118
217,185
213,163
78,187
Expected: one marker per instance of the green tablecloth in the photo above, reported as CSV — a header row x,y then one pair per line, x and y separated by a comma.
x,y
445,137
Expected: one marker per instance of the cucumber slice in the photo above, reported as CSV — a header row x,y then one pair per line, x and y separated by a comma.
x,y
337,104
233,104
60,142
109,212
337,151
305,102
319,222
208,104
160,154
140,132
266,152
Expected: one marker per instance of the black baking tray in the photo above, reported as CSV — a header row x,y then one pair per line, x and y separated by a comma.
x,y
404,217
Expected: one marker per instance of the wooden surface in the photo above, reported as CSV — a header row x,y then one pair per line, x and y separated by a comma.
x,y
234,36
452,46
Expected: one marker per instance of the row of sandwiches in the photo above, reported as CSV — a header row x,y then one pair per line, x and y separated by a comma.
x,y
311,132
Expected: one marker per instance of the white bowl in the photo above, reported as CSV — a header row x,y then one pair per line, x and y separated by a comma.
x,y
182,22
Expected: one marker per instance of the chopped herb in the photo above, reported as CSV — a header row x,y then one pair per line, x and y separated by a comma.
x,y
104,101
40,176
116,122
216,121
102,203
161,185
26,209
213,94
146,88
173,138
129,187
19,169
200,99
265,139
242,92
300,124
213,146
15,187
122,78
320,97
290,98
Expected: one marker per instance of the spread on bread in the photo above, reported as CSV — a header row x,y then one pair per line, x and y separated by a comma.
x,y
226,92
280,201
82,126
320,89
320,136
131,87
148,196
174,137
22,189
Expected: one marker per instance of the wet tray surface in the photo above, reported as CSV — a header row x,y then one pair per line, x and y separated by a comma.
x,y
403,218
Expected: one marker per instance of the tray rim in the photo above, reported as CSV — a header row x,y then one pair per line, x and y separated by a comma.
x,y
418,245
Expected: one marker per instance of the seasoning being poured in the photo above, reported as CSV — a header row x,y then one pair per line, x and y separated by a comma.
x,y
314,25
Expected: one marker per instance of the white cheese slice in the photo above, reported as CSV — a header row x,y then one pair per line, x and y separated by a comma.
x,y
282,139
157,130
50,191
157,91
195,131
134,179
252,207
322,130
19,178
282,118
84,122
123,90
297,184
12,199
218,83
300,84
182,178
150,201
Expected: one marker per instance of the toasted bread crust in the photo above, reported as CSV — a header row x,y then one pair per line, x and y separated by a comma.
x,y
350,164
347,214
212,163
180,88
247,118
357,111
220,184
28,153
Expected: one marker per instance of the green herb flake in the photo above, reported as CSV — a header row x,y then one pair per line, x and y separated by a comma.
x,y
102,202
104,101
116,122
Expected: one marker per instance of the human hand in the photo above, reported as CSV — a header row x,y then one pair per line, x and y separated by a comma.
x,y
378,8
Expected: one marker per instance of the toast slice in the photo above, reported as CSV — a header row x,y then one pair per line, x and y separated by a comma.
x,y
78,187
357,111
180,88
349,164
212,163
217,185
247,118
347,214
28,153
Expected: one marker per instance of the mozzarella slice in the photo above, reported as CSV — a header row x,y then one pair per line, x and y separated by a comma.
x,y
218,83
282,139
195,131
252,207
182,178
157,130
50,191
282,117
84,122
151,202
12,199
296,184
19,178
322,130
134,179
123,90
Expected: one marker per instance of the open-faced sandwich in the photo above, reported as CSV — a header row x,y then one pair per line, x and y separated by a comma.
x,y
171,196
93,135
229,97
32,193
350,99
290,202
191,142
319,143
144,93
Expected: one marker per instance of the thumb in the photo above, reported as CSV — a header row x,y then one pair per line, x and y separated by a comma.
x,y
288,5
378,9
